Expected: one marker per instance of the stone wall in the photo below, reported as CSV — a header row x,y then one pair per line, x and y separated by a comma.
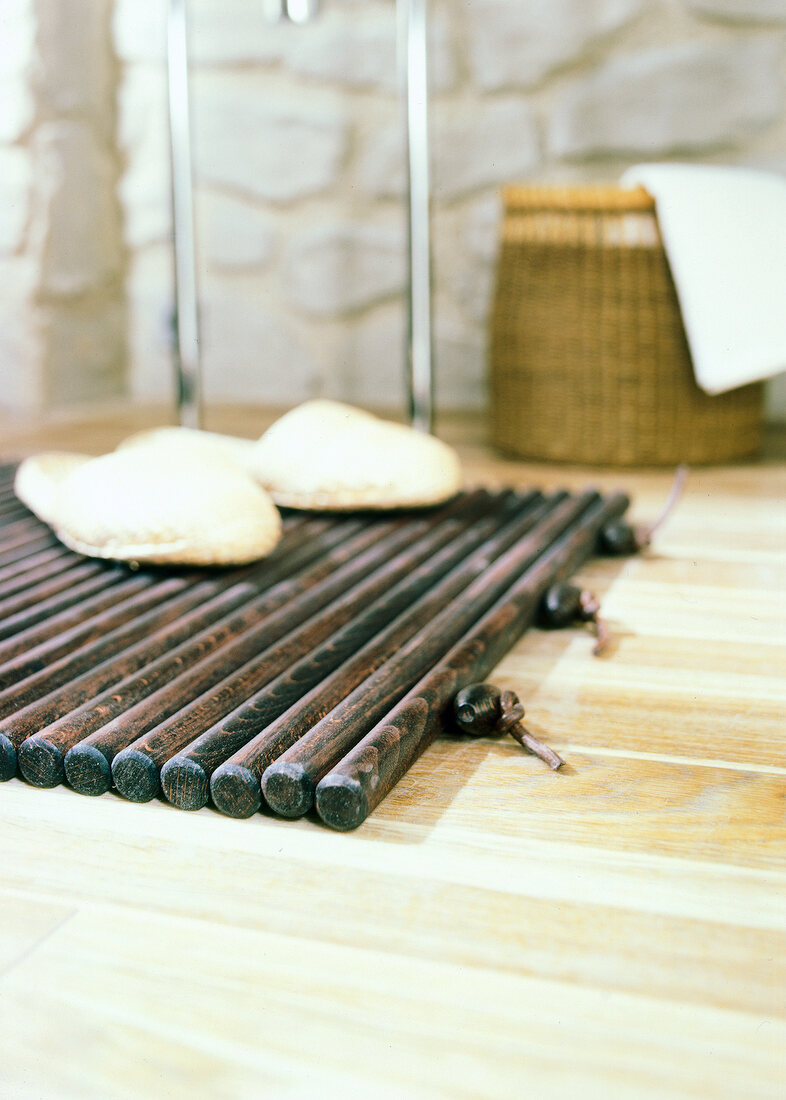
x,y
63,317
19,346
299,170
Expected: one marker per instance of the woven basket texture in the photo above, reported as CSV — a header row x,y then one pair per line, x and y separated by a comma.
x,y
589,360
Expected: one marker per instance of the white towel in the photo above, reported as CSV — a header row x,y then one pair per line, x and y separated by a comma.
x,y
724,232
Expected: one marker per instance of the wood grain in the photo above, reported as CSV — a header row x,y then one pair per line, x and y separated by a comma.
x,y
369,771
185,777
235,786
158,645
281,637
494,929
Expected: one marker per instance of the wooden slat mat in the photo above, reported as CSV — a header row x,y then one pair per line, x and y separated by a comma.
x,y
154,680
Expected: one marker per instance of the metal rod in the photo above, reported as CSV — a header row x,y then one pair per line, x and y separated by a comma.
x,y
300,11
186,315
274,10
413,64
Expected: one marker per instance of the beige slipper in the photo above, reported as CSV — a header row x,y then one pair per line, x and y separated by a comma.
x,y
327,456
166,504
39,479
232,447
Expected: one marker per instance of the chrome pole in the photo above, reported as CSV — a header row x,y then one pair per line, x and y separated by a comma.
x,y
292,11
413,65
186,317
301,11
275,10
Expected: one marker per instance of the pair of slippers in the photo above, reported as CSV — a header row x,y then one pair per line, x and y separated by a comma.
x,y
198,498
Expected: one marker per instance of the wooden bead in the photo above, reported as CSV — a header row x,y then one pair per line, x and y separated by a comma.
x,y
561,605
619,538
477,709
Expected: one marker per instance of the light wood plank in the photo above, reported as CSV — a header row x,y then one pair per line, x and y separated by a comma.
x,y
590,915
729,816
25,927
494,929
303,1014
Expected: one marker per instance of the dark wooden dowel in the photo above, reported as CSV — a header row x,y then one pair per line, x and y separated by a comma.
x,y
356,785
235,785
84,742
56,559
40,757
31,636
21,529
11,510
25,536
288,784
282,639
7,490
10,514
47,708
20,553
18,568
185,777
142,630
24,543
25,517
49,586
37,656
15,578
106,578
41,748
111,657
92,735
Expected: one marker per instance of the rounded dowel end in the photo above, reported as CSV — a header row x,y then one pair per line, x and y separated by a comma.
x,y
40,762
341,802
287,789
235,791
135,776
7,759
185,784
87,770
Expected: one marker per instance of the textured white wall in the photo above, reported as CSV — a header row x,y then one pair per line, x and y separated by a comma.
x,y
19,347
300,174
62,254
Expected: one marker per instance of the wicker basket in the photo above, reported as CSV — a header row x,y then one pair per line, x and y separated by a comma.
x,y
589,361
